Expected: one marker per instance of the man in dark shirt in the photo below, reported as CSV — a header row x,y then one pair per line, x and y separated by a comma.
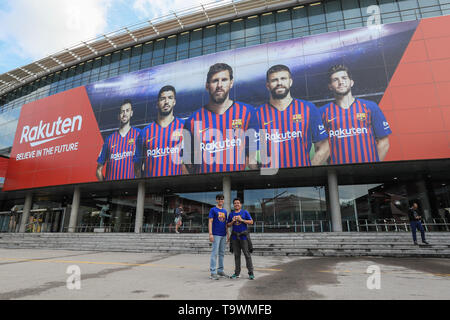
x,y
240,240
414,219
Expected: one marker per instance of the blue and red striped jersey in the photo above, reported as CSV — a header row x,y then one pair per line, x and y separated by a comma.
x,y
218,141
289,134
353,132
118,154
161,149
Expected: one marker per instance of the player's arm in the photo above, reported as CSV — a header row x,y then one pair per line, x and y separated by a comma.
x,y
101,162
383,147
322,153
381,129
99,172
188,149
138,156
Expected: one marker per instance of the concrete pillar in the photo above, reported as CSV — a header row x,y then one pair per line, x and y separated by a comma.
x,y
26,212
140,208
227,193
333,196
74,210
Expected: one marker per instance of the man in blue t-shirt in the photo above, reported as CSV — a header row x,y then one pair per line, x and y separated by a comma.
x,y
218,234
240,239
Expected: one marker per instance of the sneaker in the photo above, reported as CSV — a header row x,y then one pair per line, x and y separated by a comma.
x,y
214,276
425,242
177,232
235,276
251,277
223,274
415,243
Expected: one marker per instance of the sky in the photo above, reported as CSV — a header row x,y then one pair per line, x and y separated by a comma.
x,y
33,29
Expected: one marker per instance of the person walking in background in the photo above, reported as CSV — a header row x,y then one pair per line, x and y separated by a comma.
x,y
414,219
178,220
218,234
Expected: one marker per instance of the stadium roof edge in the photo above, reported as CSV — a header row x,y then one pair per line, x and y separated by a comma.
x,y
182,20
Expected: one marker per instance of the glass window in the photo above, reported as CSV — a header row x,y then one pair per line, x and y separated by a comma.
x,y
195,44
252,33
183,46
389,11
288,209
136,53
353,14
300,22
196,207
115,59
283,24
170,50
223,37
158,52
237,34
147,54
106,60
268,29
316,19
209,40
409,10
125,58
429,8
334,16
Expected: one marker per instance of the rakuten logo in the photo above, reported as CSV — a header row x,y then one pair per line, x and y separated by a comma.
x,y
281,137
47,132
121,156
345,133
219,146
162,152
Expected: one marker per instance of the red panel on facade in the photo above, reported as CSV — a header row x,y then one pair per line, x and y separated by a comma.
x,y
416,93
52,136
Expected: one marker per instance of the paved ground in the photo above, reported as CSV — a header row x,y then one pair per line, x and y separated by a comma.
x,y
42,274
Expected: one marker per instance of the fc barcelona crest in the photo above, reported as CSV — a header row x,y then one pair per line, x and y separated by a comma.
x,y
131,141
297,118
361,116
236,124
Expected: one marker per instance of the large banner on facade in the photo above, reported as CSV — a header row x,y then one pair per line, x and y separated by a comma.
x,y
371,94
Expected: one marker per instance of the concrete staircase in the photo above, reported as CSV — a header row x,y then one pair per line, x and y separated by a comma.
x,y
345,244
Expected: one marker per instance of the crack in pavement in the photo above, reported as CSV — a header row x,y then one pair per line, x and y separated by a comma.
x,y
17,294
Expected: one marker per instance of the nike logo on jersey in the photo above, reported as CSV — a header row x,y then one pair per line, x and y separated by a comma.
x,y
329,120
266,123
201,131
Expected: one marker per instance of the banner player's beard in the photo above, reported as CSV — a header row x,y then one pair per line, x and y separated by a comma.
x,y
217,99
279,96
342,94
165,113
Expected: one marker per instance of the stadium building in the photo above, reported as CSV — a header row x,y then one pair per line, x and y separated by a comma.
x,y
58,113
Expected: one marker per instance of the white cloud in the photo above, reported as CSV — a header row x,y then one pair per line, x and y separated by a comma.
x,y
40,28
150,9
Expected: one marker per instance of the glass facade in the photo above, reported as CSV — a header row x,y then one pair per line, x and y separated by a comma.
x,y
378,207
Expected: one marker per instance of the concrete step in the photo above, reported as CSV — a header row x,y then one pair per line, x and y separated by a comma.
x,y
295,244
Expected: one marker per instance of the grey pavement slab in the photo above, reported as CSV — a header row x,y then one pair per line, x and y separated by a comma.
x,y
42,274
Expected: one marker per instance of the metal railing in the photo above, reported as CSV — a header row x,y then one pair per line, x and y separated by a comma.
x,y
393,225
313,226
